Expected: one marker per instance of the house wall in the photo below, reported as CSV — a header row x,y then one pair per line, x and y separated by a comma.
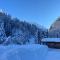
x,y
52,44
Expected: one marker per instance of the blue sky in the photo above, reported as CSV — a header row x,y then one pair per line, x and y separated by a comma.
x,y
42,12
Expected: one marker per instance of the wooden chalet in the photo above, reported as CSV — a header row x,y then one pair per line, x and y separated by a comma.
x,y
51,42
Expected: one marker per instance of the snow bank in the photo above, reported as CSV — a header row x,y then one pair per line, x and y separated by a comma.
x,y
23,52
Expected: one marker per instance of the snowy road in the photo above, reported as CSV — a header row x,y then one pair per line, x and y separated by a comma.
x,y
53,54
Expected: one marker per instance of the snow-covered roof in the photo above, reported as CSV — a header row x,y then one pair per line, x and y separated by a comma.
x,y
51,40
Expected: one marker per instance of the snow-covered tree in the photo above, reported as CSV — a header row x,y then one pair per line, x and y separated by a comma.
x,y
16,31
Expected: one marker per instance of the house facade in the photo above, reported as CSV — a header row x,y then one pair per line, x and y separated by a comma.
x,y
51,42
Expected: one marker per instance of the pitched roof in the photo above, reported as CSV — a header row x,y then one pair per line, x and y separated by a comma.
x,y
51,40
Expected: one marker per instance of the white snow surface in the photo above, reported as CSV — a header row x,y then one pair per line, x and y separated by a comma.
x,y
28,52
53,54
23,52
51,40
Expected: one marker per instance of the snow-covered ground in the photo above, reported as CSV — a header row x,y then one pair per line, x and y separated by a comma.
x,y
23,52
53,54
28,52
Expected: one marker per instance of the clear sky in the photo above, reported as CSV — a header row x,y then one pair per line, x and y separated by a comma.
x,y
43,12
